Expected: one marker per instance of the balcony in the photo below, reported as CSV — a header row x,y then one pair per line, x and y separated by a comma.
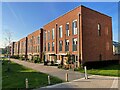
x,y
74,47
66,47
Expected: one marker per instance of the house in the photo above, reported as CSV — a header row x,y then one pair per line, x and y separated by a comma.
x,y
84,33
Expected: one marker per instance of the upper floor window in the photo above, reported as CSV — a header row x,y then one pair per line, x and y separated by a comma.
x,y
38,40
53,44
74,27
67,29
107,46
99,29
60,45
48,35
74,42
48,46
44,35
106,31
60,31
66,45
53,33
45,47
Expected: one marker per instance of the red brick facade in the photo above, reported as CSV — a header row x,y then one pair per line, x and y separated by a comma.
x,y
83,33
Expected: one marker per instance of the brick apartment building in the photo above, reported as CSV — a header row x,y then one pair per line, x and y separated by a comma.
x,y
35,44
82,32
23,47
16,48
12,48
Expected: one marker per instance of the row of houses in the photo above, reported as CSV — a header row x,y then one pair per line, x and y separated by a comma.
x,y
84,33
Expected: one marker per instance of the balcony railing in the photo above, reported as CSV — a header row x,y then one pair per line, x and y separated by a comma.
x,y
74,47
66,47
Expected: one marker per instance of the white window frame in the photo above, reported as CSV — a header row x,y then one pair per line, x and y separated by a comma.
x,y
75,28
60,32
53,33
68,31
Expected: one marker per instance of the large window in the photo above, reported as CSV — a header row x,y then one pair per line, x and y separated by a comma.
x,y
99,29
74,42
44,35
48,35
60,45
48,46
107,46
74,27
66,45
45,47
53,33
38,40
67,29
60,32
53,44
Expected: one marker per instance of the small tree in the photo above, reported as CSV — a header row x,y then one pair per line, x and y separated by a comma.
x,y
8,39
69,58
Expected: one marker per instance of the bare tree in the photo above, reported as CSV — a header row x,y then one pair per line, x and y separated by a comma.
x,y
8,40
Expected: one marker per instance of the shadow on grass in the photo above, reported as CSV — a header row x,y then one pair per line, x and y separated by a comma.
x,y
15,78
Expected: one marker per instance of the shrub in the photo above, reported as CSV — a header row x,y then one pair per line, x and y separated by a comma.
x,y
60,66
52,62
36,59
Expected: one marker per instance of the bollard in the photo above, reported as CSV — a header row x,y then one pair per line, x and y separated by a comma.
x,y
86,77
66,76
48,79
26,82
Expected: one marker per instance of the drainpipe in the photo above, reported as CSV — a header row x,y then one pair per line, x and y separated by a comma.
x,y
78,39
56,37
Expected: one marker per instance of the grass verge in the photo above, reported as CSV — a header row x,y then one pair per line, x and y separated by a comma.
x,y
15,77
112,70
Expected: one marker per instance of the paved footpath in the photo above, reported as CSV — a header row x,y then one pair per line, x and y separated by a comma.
x,y
76,79
51,70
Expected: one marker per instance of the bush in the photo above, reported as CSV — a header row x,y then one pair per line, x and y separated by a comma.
x,y
36,59
60,66
45,62
52,62
15,56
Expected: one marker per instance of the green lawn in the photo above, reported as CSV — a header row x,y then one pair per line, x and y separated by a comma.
x,y
15,78
112,70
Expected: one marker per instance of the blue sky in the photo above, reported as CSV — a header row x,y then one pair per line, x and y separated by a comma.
x,y
22,18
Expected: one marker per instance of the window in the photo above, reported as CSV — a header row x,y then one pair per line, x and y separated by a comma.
x,y
74,27
67,29
45,47
48,35
53,44
38,49
38,40
60,32
53,36
48,46
107,46
44,35
106,31
66,45
60,45
99,29
74,42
